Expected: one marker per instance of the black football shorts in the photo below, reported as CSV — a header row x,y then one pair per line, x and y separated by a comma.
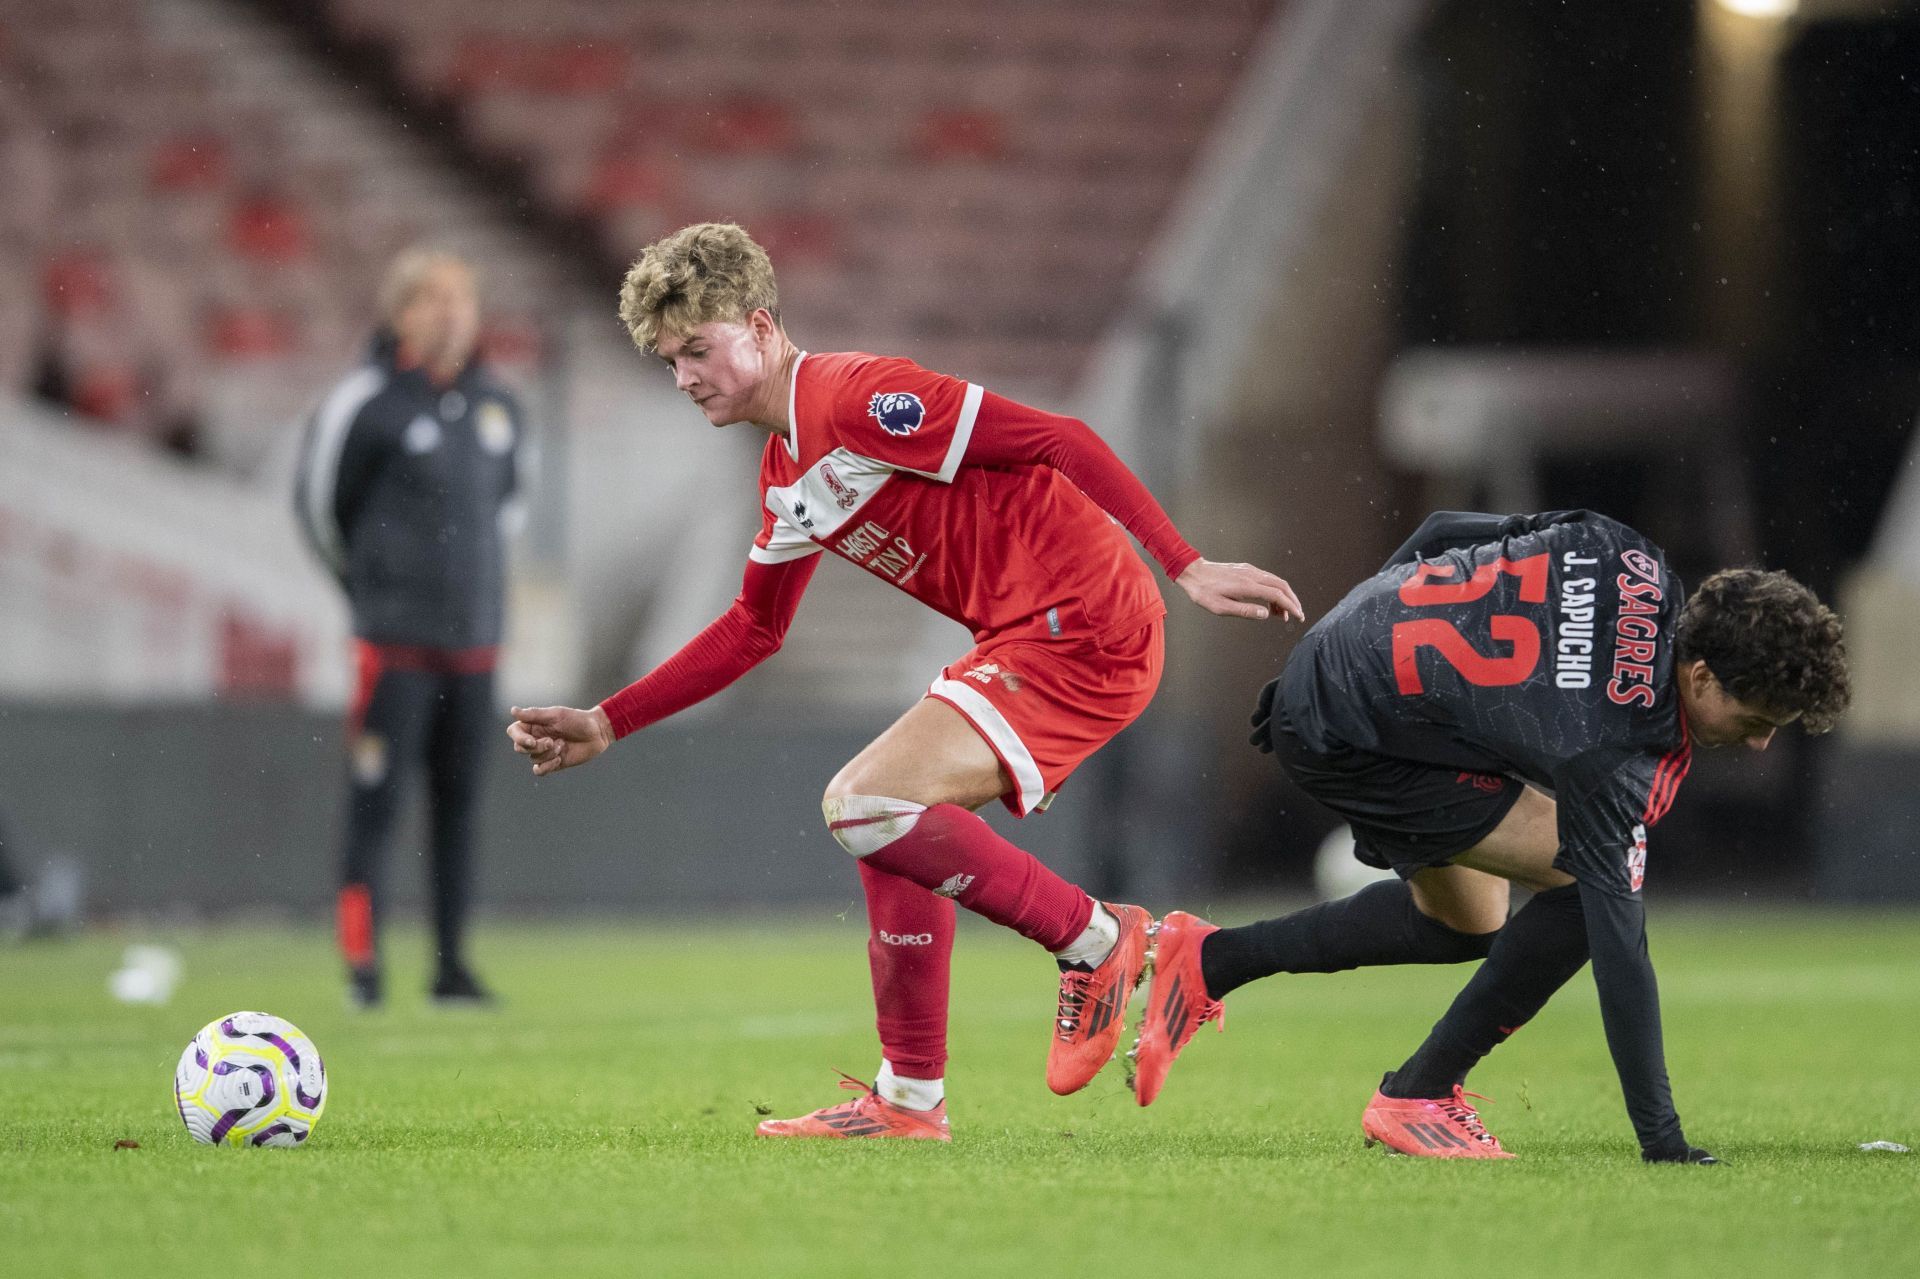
x,y
1405,816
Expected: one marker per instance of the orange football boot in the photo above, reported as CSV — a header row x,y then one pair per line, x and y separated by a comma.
x,y
868,1115
1093,1005
1177,1002
1430,1127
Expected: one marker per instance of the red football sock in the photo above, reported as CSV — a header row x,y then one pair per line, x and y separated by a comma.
x,y
354,916
910,950
958,855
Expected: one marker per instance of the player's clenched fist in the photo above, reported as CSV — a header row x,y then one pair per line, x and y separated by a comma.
x,y
557,737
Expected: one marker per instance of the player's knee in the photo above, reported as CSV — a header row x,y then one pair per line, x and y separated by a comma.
x,y
1458,912
1476,907
865,824
1462,938
861,775
1471,946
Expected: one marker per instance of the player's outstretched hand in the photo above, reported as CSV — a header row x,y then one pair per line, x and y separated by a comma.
x,y
557,737
1239,590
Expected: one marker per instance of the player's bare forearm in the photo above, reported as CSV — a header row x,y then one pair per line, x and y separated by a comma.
x,y
557,737
1239,590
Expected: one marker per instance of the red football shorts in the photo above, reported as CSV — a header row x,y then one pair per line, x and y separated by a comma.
x,y
1044,707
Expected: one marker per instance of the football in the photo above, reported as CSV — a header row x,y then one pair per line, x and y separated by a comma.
x,y
250,1079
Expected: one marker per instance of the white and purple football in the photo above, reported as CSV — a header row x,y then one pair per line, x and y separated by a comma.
x,y
250,1079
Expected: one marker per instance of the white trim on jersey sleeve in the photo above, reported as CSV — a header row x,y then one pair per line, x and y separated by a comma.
x,y
781,554
1006,743
793,410
962,432
322,475
788,538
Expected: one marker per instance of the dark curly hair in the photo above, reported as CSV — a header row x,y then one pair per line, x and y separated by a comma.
x,y
1769,641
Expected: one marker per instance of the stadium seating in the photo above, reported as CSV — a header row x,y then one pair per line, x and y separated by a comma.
x,y
928,178
180,214
202,194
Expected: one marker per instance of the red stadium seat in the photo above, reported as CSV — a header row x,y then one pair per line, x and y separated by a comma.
x,y
77,282
239,332
961,134
746,125
267,227
189,162
584,68
105,392
623,179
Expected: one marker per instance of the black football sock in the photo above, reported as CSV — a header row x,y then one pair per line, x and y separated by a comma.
x,y
1542,946
1377,925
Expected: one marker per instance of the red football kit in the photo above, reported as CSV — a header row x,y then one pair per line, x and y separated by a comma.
x,y
999,516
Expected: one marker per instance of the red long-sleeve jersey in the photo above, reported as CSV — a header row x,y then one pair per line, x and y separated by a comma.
x,y
990,512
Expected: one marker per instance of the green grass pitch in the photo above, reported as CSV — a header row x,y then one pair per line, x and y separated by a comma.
x,y
602,1123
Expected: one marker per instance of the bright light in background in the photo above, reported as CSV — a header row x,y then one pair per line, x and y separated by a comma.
x,y
1761,8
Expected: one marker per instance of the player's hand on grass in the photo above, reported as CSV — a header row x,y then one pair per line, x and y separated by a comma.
x,y
557,737
1239,590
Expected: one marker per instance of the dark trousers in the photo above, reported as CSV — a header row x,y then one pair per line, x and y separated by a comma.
x,y
414,706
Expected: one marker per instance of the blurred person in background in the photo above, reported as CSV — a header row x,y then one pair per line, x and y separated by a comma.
x,y
1002,517
406,488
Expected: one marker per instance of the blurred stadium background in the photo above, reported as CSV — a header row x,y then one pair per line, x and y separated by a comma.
x,y
1313,267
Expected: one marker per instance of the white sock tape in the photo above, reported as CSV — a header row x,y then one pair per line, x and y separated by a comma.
x,y
865,824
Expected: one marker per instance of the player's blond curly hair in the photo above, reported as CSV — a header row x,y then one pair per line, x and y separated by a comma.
x,y
701,273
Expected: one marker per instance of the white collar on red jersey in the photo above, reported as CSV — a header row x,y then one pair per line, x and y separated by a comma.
x,y
793,415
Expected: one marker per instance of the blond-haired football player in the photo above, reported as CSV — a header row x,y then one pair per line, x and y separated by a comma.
x,y
991,513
